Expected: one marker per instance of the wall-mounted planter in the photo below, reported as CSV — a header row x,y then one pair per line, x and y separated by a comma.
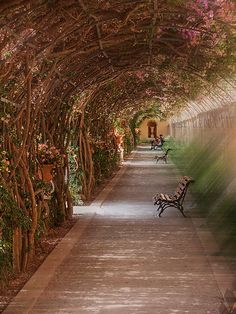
x,y
45,172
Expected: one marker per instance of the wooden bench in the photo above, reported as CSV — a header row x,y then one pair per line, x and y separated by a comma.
x,y
163,157
154,146
176,200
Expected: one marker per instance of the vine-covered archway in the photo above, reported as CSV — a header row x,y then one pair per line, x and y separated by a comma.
x,y
71,71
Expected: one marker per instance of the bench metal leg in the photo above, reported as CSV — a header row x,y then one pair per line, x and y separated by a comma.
x,y
162,209
182,210
161,158
163,206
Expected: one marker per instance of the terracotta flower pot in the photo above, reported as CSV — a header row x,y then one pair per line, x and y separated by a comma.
x,y
119,139
45,172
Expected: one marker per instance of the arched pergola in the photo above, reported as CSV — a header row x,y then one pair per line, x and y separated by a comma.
x,y
70,70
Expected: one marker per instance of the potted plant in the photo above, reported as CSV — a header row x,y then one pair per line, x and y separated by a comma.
x,y
48,157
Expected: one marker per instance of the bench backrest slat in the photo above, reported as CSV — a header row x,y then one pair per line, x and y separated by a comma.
x,y
182,189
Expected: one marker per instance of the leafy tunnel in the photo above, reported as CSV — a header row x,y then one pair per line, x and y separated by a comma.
x,y
76,76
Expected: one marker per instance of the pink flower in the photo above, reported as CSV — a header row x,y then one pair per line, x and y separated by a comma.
x,y
211,14
140,75
48,155
150,92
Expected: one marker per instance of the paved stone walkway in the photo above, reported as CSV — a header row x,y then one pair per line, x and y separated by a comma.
x,y
119,258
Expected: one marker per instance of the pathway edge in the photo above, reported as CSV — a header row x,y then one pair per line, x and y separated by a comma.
x,y
24,301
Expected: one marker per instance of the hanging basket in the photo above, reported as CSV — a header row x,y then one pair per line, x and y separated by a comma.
x,y
45,172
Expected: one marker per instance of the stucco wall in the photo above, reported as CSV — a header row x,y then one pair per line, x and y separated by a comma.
x,y
208,154
162,128
215,123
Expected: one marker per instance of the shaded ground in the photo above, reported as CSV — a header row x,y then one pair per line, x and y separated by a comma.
x,y
121,258
16,282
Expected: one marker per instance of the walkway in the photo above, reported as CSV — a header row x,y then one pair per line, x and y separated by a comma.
x,y
125,260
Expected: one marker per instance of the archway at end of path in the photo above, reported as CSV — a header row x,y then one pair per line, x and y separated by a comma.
x,y
74,75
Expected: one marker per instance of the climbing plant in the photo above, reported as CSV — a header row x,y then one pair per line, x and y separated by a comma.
x,y
70,72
